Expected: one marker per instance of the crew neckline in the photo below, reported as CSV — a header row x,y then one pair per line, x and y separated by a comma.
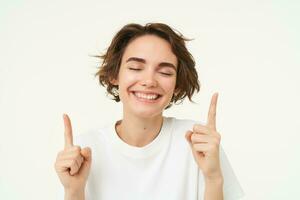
x,y
141,152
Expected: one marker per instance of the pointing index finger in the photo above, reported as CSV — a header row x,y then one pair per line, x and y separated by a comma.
x,y
68,131
211,119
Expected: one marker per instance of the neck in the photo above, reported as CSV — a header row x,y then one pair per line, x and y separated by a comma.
x,y
137,131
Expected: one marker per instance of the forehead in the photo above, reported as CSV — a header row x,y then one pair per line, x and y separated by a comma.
x,y
151,48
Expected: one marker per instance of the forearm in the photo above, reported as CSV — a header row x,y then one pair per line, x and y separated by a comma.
x,y
78,195
213,189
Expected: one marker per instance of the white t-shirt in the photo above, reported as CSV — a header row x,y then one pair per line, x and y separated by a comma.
x,y
164,169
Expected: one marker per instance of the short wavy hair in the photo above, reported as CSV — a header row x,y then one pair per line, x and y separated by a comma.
x,y
187,78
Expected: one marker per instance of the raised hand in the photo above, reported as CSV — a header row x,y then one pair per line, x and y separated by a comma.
x,y
204,141
72,163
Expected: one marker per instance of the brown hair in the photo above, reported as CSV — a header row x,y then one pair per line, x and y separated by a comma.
x,y
187,77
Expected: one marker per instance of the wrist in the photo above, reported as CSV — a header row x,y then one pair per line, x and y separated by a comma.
x,y
74,194
214,181
213,188
216,178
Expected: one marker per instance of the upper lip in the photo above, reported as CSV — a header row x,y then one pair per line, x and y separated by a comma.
x,y
146,92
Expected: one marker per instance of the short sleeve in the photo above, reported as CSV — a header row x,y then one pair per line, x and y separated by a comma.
x,y
232,189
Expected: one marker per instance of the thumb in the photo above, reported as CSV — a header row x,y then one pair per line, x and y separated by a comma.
x,y
188,135
87,154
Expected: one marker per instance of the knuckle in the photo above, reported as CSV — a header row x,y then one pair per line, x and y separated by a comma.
x,y
77,149
218,138
79,159
217,142
73,171
73,163
58,166
196,127
60,153
213,113
193,137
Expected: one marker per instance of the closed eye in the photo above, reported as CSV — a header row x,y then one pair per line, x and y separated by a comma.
x,y
135,69
167,74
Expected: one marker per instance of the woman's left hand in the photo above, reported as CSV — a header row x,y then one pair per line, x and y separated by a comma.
x,y
205,143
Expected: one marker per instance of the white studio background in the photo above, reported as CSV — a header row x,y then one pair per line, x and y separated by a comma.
x,y
248,51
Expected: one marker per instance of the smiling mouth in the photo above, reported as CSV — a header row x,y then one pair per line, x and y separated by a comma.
x,y
146,97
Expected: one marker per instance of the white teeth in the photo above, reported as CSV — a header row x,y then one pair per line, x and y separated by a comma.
x,y
146,96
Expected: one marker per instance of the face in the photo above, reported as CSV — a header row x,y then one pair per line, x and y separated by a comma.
x,y
147,76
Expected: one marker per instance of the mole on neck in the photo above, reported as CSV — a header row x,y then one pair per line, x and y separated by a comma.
x,y
138,139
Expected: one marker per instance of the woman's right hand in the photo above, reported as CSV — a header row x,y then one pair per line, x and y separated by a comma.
x,y
72,163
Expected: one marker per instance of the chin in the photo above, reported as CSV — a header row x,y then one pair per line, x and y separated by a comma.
x,y
144,109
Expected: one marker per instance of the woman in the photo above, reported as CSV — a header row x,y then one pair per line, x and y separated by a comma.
x,y
144,155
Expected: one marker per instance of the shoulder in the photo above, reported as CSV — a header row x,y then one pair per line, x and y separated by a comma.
x,y
90,137
183,124
179,127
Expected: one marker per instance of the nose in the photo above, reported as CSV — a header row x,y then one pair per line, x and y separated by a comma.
x,y
148,80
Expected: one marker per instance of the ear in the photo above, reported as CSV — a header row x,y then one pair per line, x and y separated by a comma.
x,y
176,91
114,81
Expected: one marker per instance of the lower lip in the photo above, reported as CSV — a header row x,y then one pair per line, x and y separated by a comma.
x,y
146,100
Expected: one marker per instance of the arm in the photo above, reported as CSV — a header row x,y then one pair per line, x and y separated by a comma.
x,y
72,165
213,189
205,142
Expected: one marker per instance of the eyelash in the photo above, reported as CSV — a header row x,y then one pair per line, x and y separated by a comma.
x,y
166,74
137,69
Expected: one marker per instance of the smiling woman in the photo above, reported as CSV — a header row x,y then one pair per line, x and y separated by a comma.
x,y
149,54
174,43
145,155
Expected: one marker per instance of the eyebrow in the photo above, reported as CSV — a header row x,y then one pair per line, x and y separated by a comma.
x,y
141,60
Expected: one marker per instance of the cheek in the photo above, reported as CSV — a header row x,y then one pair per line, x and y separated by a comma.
x,y
169,84
125,81
129,80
